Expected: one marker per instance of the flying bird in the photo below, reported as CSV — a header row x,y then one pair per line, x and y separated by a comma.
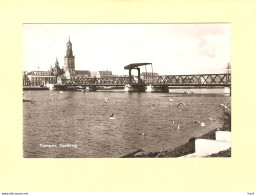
x,y
211,119
180,104
202,124
224,105
199,122
111,117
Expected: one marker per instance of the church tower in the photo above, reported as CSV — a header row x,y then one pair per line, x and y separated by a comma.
x,y
56,70
69,61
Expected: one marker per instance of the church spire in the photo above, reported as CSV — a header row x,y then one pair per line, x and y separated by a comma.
x,y
56,63
69,61
69,40
69,51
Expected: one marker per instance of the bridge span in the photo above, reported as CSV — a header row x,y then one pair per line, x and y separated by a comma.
x,y
163,81
150,82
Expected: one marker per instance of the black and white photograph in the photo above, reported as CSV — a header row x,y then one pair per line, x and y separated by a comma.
x,y
126,90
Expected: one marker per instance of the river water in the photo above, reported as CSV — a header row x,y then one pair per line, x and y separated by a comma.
x,y
73,124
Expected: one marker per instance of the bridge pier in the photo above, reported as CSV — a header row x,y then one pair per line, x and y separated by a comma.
x,y
161,89
134,88
227,90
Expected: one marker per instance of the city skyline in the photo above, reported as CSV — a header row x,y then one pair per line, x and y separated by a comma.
x,y
171,48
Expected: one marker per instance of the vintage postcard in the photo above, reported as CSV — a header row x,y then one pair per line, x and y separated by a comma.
x,y
126,90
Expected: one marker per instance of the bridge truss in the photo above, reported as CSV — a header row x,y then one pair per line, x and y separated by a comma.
x,y
194,80
164,80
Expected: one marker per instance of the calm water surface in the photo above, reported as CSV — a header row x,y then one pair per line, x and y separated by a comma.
x,y
82,119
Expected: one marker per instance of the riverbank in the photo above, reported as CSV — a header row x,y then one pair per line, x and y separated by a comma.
x,y
189,147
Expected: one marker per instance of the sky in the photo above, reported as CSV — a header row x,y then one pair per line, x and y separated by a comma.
x,y
171,48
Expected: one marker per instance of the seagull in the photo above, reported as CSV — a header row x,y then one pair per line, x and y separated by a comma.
x,y
111,117
197,121
171,100
224,105
178,127
202,124
106,100
188,92
210,119
172,122
143,134
61,91
180,104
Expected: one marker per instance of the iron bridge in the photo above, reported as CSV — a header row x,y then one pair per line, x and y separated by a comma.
x,y
164,80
